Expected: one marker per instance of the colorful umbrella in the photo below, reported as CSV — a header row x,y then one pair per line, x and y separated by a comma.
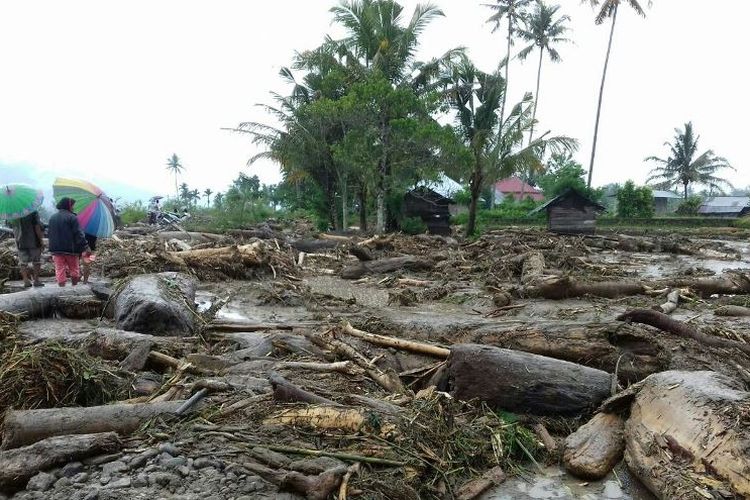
x,y
95,210
19,200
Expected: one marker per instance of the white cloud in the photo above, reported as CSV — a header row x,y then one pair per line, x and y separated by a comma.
x,y
114,88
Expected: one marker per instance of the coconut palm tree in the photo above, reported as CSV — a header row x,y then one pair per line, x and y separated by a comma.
x,y
543,30
684,167
496,146
174,166
607,10
207,193
514,11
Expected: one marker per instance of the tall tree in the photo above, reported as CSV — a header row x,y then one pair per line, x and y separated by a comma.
x,y
543,29
514,12
684,166
378,40
207,193
174,166
496,147
608,10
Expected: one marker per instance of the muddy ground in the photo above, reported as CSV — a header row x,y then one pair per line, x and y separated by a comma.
x,y
467,291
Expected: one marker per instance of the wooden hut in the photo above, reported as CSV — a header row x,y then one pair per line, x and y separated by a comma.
x,y
571,213
433,208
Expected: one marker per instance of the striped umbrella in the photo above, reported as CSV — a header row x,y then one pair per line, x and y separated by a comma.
x,y
19,200
94,208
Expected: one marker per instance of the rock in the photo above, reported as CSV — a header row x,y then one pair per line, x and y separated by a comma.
x,y
140,481
184,470
81,477
111,467
162,479
173,463
141,459
169,448
159,304
71,469
203,462
41,482
63,482
102,459
596,447
120,483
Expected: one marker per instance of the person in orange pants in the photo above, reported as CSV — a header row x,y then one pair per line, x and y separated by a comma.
x,y
66,242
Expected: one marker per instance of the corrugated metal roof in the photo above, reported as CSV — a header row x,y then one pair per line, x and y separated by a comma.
x,y
444,186
724,205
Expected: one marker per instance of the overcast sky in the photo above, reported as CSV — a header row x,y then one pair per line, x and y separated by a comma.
x,y
109,89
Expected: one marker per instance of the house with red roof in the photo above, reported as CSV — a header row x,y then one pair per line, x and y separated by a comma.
x,y
513,187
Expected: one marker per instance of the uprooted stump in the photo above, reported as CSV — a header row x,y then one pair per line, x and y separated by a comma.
x,y
25,427
688,435
159,304
525,383
17,466
596,447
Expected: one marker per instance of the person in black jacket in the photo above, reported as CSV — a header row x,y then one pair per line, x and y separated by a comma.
x,y
66,242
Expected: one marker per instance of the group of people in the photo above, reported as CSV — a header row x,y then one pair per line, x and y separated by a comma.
x,y
68,245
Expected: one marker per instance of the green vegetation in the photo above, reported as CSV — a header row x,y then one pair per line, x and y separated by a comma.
x,y
683,168
413,225
563,173
174,166
131,213
689,206
635,202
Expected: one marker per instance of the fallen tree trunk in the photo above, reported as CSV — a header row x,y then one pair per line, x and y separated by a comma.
x,y
285,391
673,298
406,345
524,383
387,265
598,345
596,447
40,302
533,268
159,304
24,427
734,311
567,288
17,466
670,325
687,436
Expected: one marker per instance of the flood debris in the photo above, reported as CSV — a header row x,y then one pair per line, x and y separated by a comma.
x,y
277,360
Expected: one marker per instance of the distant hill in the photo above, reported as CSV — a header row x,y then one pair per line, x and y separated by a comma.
x,y
43,178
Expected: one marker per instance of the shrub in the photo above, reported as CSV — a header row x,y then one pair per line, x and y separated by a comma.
x,y
132,213
690,206
635,202
413,225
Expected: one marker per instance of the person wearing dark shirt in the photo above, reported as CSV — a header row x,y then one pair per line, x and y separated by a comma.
x,y
66,242
29,237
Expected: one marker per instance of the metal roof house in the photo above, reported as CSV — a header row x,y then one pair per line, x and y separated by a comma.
x,y
725,206
665,201
571,213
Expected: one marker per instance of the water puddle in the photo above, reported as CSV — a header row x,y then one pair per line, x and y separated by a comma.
x,y
555,483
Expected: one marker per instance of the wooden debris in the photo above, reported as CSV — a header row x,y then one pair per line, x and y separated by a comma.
x,y
596,447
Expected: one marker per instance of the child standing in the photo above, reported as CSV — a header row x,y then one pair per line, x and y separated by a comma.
x,y
66,242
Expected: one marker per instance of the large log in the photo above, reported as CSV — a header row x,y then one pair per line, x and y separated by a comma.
x,y
17,466
159,304
24,427
598,345
40,302
688,436
525,383
387,265
596,447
